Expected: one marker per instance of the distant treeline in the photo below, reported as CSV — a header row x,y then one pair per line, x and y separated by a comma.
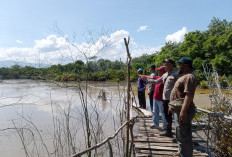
x,y
212,47
101,70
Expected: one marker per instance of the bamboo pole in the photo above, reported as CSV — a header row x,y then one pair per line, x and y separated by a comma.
x,y
128,93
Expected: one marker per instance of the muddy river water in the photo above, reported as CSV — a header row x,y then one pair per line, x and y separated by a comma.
x,y
33,105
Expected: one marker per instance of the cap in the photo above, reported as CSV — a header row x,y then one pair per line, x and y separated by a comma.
x,y
161,68
140,70
186,60
169,61
152,66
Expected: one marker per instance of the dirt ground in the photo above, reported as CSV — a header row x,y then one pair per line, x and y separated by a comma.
x,y
201,98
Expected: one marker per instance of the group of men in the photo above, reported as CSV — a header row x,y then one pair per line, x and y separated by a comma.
x,y
171,85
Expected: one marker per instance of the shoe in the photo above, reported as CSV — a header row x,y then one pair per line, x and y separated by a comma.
x,y
168,134
164,129
154,127
174,140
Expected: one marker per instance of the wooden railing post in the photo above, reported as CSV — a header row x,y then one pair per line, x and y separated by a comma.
x,y
128,93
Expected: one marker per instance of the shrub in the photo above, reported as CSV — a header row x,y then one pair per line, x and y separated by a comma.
x,y
58,78
204,84
222,80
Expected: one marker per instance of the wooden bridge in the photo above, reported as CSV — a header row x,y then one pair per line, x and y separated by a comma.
x,y
148,142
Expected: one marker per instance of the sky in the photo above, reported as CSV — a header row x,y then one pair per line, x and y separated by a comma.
x,y
62,31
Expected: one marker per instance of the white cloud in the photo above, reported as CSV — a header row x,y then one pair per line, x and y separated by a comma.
x,y
56,50
177,36
19,41
142,28
139,52
51,43
50,50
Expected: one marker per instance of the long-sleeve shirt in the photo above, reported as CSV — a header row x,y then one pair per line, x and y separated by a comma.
x,y
169,79
151,87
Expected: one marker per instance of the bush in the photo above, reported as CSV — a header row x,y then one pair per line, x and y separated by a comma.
x,y
58,78
204,84
222,80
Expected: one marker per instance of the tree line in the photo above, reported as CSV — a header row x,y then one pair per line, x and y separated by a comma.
x,y
212,46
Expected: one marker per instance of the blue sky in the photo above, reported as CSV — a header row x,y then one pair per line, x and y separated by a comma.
x,y
27,33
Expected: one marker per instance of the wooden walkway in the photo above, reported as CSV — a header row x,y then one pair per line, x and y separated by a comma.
x,y
148,142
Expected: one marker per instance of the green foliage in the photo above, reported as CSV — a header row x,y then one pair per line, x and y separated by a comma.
x,y
204,84
169,50
223,81
142,62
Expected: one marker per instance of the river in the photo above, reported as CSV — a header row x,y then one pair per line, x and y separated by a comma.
x,y
28,106
34,113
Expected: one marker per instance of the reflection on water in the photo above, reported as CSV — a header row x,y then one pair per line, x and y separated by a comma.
x,y
102,96
24,101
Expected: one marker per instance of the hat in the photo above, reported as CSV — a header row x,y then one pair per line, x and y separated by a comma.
x,y
186,60
152,66
169,61
140,70
160,68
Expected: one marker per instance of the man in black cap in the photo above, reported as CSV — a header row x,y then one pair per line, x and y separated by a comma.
x,y
184,89
151,87
169,79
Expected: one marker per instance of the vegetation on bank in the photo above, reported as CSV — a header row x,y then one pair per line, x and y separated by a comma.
x,y
212,47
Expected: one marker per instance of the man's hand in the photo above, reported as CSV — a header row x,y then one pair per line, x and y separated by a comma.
x,y
187,101
149,93
183,116
143,77
169,111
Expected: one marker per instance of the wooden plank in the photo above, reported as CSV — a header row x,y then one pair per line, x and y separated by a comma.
x,y
154,139
149,155
147,120
168,153
200,154
156,144
150,135
153,130
145,112
143,147
145,123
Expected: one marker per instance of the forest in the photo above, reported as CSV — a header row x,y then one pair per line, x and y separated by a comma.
x,y
212,47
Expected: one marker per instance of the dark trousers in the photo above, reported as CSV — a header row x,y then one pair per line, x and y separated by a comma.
x,y
184,133
151,100
168,117
142,99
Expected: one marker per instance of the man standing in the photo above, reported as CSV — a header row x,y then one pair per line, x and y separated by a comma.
x,y
151,87
141,84
169,79
185,88
158,101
